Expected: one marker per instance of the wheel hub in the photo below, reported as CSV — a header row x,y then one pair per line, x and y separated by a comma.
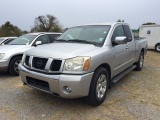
x,y
16,66
141,61
101,86
158,48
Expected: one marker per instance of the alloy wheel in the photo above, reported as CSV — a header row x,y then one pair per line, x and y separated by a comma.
x,y
16,66
101,86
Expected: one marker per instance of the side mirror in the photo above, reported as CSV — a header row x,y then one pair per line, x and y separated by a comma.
x,y
38,43
120,40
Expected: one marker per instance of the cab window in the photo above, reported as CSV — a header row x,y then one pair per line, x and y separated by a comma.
x,y
128,33
53,37
44,39
118,32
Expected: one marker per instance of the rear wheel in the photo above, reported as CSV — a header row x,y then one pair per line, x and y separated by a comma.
x,y
13,66
98,87
157,47
140,62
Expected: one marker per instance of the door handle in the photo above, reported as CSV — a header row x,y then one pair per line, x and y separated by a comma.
x,y
127,48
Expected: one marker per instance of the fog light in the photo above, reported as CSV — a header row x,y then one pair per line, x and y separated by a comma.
x,y
68,89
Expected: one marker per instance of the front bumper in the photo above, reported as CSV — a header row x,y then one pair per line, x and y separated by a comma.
x,y
3,65
79,84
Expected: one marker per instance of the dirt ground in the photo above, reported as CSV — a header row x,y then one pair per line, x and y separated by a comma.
x,y
135,97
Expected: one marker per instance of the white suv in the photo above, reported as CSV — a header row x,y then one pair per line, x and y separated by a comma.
x,y
11,54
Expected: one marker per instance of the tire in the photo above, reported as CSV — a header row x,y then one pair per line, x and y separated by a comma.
x,y
13,65
139,64
98,87
157,47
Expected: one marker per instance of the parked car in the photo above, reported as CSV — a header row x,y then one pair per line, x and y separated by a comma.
x,y
11,54
6,40
84,62
152,34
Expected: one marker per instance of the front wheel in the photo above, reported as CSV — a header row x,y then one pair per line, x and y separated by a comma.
x,y
13,66
98,87
157,47
139,64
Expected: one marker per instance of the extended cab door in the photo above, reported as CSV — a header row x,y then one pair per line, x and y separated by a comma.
x,y
120,52
130,47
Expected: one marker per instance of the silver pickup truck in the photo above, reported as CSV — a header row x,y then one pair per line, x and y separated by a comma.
x,y
11,53
84,62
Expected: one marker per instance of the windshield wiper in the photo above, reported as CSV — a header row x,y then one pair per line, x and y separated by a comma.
x,y
61,40
75,40
81,41
15,44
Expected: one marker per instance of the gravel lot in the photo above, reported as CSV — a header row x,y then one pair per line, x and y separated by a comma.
x,y
135,97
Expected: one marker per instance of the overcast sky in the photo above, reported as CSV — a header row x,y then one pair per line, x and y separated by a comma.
x,y
75,12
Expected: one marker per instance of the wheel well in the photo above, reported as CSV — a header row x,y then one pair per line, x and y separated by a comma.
x,y
142,50
14,57
107,67
157,44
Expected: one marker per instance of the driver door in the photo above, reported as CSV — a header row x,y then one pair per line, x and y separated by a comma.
x,y
120,52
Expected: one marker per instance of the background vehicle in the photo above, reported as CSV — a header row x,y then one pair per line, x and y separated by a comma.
x,y
11,54
6,40
152,34
84,61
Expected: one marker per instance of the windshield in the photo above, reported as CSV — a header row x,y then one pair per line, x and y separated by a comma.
x,y
23,40
92,34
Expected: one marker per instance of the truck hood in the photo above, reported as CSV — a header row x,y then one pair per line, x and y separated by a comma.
x,y
10,48
61,50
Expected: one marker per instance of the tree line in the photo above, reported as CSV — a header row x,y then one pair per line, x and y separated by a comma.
x,y
48,23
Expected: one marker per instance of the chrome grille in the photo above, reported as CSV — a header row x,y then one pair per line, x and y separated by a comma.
x,y
27,60
39,63
47,65
56,65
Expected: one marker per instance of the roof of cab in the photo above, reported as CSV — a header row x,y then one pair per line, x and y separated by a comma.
x,y
108,23
38,33
7,37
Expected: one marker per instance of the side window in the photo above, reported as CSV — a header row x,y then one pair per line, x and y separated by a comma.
x,y
53,37
44,39
118,32
128,33
8,41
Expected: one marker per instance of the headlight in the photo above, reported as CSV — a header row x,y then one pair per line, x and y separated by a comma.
x,y
1,55
77,64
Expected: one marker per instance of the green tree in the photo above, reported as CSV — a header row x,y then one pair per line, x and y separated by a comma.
x,y
65,29
7,30
24,32
48,23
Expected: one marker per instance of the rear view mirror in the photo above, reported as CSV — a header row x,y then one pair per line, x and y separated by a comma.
x,y
120,40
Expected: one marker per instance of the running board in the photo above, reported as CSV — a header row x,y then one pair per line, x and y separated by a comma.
x,y
122,74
